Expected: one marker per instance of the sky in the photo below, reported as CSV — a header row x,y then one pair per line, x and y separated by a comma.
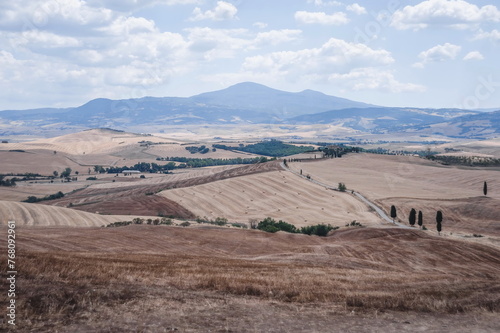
x,y
432,53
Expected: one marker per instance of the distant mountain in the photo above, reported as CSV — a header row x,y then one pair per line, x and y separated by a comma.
x,y
281,104
249,103
241,103
473,126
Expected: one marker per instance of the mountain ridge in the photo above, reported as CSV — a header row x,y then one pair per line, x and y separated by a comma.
x,y
252,103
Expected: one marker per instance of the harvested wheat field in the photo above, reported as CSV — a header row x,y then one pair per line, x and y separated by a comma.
x,y
143,198
87,142
412,182
41,215
278,194
160,278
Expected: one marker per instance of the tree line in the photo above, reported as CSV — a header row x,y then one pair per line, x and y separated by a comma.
x,y
185,162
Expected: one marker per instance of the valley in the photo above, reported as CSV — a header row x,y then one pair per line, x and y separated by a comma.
x,y
367,270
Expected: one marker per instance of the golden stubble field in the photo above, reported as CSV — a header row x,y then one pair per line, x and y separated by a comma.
x,y
160,278
411,182
277,194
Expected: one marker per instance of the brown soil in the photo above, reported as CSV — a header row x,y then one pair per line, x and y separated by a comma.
x,y
159,278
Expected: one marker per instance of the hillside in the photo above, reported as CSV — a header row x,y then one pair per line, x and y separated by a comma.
x,y
153,277
26,214
277,194
411,182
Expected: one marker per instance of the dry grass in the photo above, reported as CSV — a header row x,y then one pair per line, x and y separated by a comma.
x,y
356,269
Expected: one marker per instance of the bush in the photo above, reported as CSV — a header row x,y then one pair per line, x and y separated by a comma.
x,y
93,178
185,224
354,224
342,187
318,229
166,221
270,225
32,199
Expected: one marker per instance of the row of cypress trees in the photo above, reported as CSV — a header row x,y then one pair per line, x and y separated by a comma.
x,y
412,219
439,215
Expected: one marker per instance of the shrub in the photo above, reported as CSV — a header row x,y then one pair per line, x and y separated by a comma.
x,y
342,187
270,225
91,178
354,224
32,199
166,221
318,229
185,224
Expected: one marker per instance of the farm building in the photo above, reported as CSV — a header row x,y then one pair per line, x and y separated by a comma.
x,y
131,172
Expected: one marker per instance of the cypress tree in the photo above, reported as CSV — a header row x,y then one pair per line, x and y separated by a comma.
x,y
420,219
485,188
393,212
413,217
439,219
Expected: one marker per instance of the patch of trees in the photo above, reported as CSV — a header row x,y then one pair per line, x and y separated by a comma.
x,y
204,162
270,225
201,149
33,199
137,220
274,148
143,167
466,160
7,182
186,162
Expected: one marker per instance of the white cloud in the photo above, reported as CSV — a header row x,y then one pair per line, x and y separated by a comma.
x,y
223,11
335,56
42,39
325,3
438,53
474,55
260,25
211,43
132,5
52,15
275,37
337,18
493,35
356,8
373,79
452,13
129,25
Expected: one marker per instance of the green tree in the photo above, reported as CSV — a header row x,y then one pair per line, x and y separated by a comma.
x,y
420,219
394,213
66,173
413,217
439,219
342,187
55,173
485,188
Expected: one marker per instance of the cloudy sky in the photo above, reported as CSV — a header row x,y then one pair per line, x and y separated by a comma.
x,y
432,53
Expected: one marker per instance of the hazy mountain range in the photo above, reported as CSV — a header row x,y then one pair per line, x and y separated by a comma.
x,y
248,102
